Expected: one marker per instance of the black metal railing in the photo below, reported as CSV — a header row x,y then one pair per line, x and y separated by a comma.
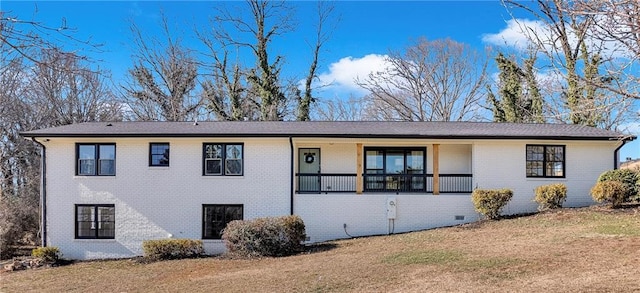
x,y
326,182
346,182
452,183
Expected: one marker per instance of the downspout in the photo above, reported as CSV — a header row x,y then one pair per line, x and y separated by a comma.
x,y
291,174
616,154
43,194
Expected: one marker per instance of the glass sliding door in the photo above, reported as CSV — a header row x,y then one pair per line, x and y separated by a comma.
x,y
395,169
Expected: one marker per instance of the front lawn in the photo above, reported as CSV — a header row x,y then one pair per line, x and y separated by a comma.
x,y
570,250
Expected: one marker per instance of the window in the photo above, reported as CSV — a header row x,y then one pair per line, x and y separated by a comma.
x,y
216,217
222,159
95,221
545,161
98,159
159,154
395,169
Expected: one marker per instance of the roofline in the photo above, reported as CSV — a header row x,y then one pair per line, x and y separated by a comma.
x,y
273,135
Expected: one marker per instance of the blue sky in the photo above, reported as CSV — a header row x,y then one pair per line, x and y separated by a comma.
x,y
365,32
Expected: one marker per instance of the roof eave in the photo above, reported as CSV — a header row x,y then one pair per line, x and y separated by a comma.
x,y
299,135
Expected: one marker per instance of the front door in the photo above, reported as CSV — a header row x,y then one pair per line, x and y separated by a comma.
x,y
309,170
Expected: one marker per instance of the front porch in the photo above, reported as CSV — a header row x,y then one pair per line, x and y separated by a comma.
x,y
412,167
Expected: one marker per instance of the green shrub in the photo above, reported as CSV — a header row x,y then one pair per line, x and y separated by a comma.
x,y
489,202
49,254
629,178
550,196
271,236
612,192
163,249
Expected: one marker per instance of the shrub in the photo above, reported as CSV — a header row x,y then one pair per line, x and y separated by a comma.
x,y
49,254
18,223
163,249
629,178
271,236
489,202
550,196
609,191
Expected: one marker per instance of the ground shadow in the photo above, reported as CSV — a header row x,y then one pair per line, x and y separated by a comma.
x,y
319,247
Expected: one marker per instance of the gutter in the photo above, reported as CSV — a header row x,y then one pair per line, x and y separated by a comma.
x,y
291,174
43,194
317,135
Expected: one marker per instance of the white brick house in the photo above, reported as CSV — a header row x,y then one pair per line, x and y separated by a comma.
x,y
109,186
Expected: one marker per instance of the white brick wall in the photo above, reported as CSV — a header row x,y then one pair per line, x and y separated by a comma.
x,y
502,165
156,202
366,214
495,164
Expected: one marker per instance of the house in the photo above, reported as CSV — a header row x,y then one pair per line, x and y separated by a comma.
x,y
630,164
110,185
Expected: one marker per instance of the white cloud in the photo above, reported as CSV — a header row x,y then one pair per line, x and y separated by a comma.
x,y
518,32
515,35
343,74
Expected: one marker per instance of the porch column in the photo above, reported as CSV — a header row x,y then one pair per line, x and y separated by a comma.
x,y
359,181
436,169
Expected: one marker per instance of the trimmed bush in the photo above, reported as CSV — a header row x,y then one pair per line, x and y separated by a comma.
x,y
490,202
163,249
49,254
271,236
629,178
550,196
612,192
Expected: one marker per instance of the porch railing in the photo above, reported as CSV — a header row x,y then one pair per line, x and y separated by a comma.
x,y
346,182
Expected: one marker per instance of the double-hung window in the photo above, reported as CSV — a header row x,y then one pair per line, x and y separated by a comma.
x,y
546,161
96,159
159,154
215,218
223,159
95,221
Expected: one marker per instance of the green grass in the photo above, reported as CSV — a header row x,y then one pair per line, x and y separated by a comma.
x,y
618,229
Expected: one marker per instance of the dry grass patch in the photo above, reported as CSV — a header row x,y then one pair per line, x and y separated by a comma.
x,y
568,250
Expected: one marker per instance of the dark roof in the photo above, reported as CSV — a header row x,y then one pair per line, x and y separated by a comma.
x,y
356,129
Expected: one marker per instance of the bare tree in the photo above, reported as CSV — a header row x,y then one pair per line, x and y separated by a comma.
x,y
260,92
163,79
41,85
351,109
617,21
440,80
305,101
617,26
224,90
583,62
22,38
267,20
69,92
